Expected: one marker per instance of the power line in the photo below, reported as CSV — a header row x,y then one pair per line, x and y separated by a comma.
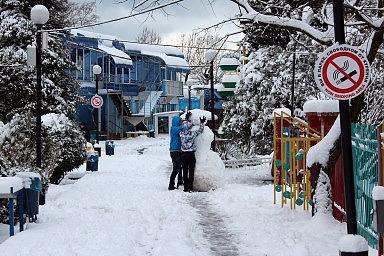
x,y
117,19
166,45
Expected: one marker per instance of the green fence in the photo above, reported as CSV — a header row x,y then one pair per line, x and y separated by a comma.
x,y
365,168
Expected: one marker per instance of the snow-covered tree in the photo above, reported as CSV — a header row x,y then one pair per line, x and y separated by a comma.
x,y
194,46
18,84
264,86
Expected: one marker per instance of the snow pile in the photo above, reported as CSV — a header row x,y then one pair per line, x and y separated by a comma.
x,y
320,152
321,106
378,193
353,243
209,166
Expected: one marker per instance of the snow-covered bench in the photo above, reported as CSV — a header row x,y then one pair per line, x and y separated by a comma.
x,y
12,188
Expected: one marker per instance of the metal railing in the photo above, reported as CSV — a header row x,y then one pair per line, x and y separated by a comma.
x,y
365,150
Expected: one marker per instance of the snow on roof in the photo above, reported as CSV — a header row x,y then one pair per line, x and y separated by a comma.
x,y
80,32
170,61
320,152
321,106
118,56
162,51
229,62
169,50
280,110
230,78
221,88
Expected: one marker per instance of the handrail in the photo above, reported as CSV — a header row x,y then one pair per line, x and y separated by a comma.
x,y
291,119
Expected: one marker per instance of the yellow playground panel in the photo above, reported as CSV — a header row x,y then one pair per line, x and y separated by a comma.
x,y
292,140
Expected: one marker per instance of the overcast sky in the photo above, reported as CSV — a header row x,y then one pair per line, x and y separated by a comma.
x,y
193,15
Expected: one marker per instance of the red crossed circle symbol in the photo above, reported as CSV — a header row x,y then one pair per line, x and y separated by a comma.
x,y
330,61
96,101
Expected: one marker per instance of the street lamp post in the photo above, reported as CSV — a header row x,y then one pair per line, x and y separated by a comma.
x,y
212,104
39,16
97,71
210,56
293,80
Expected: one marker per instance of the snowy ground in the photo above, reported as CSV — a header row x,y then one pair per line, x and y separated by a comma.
x,y
126,209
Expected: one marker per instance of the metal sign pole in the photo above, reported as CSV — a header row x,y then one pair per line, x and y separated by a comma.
x,y
345,125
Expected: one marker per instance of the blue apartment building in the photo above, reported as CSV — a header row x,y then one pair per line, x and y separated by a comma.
x,y
137,80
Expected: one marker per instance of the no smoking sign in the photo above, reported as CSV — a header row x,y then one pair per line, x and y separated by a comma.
x,y
342,72
97,101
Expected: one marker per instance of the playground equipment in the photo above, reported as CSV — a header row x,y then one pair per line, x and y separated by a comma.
x,y
292,140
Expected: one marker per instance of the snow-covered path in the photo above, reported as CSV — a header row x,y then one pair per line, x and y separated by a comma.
x,y
126,209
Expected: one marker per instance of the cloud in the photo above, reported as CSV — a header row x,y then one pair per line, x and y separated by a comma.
x,y
191,15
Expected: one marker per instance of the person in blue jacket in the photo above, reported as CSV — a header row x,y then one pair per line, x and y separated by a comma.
x,y
175,151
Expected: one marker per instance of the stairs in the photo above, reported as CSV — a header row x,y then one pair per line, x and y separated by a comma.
x,y
150,103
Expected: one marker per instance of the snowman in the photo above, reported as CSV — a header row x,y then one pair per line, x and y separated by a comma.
x,y
209,166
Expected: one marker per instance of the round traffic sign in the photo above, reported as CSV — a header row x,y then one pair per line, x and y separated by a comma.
x,y
342,72
97,101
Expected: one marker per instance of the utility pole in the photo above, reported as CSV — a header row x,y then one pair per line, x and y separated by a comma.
x,y
345,124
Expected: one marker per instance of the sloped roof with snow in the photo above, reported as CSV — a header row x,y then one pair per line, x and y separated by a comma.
x,y
118,56
172,56
229,78
170,61
229,62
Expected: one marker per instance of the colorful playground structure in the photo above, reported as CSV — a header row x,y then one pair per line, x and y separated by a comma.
x,y
292,140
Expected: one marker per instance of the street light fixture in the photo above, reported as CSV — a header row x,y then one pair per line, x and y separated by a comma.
x,y
97,71
39,16
210,55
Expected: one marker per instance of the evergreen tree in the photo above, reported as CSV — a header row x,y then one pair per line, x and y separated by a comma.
x,y
17,88
264,86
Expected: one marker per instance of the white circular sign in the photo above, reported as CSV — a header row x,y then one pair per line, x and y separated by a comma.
x,y
97,101
342,72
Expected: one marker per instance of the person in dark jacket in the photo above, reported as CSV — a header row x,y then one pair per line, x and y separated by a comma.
x,y
85,131
188,148
175,151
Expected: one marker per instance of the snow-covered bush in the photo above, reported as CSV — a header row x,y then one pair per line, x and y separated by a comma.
x,y
67,135
18,145
323,195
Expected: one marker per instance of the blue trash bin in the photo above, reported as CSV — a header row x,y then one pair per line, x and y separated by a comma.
x,y
33,187
109,148
32,199
92,162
